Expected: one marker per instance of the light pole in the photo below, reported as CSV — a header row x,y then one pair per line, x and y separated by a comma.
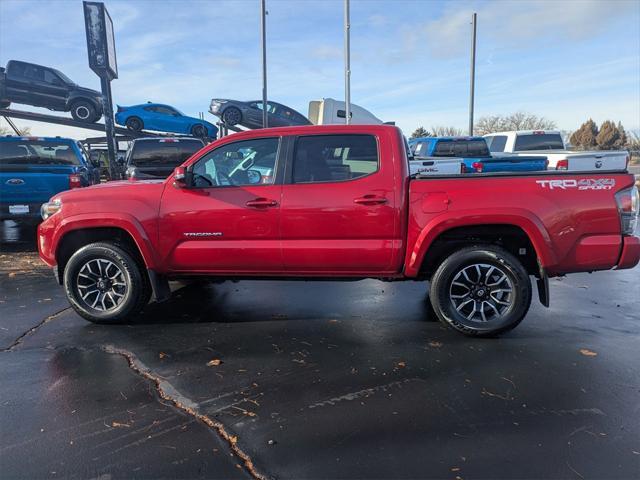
x,y
263,25
473,71
347,64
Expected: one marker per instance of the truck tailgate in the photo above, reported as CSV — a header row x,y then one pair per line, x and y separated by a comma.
x,y
515,163
603,161
27,184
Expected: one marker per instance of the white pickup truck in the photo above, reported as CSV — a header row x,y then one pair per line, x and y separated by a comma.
x,y
549,143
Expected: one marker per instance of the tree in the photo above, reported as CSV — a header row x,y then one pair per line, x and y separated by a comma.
x,y
8,131
515,121
441,131
623,141
609,137
420,132
585,137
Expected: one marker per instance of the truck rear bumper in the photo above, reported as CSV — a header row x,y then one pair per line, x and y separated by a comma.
x,y
630,255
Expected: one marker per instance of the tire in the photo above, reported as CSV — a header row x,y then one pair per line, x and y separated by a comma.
x,y
134,123
199,131
84,111
128,290
4,104
481,291
232,116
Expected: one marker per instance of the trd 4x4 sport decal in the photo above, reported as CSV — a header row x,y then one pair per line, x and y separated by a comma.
x,y
582,184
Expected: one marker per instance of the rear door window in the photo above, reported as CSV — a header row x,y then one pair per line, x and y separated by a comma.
x,y
163,152
332,158
497,143
543,141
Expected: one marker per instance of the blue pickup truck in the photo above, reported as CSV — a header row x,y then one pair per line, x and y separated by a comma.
x,y
474,153
33,169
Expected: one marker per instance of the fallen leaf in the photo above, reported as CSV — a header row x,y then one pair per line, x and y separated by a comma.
x,y
233,439
435,344
588,353
401,364
214,363
12,274
162,355
118,424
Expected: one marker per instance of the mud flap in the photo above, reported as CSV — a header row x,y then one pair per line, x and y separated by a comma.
x,y
159,286
543,287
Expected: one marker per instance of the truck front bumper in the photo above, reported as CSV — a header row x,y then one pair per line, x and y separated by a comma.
x,y
630,255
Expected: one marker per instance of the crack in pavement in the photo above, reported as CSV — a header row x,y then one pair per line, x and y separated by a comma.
x,y
33,329
168,392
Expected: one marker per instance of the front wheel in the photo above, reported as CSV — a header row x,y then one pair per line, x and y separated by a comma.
x,y
232,116
105,284
481,291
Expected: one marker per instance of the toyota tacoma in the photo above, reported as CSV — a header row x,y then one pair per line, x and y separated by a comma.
x,y
337,202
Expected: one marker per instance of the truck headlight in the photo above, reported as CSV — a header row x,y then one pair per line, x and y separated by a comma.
x,y
49,208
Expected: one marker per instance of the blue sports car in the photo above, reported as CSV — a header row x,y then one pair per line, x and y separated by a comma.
x,y
163,118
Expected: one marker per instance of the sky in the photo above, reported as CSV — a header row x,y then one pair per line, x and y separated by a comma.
x,y
564,60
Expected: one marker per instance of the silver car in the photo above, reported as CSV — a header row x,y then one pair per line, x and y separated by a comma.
x,y
249,114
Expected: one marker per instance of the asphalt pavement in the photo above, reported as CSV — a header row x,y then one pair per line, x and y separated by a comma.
x,y
315,380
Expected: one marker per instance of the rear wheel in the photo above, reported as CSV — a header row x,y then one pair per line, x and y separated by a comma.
x,y
105,284
84,111
134,123
4,104
199,131
481,291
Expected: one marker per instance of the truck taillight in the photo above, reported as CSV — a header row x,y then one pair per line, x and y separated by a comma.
x,y
562,164
75,181
478,166
628,206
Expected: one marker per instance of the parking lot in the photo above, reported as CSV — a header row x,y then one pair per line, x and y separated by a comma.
x,y
315,379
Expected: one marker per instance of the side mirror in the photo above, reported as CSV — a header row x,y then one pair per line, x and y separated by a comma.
x,y
181,178
254,177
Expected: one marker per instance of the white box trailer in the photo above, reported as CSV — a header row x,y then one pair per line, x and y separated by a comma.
x,y
333,112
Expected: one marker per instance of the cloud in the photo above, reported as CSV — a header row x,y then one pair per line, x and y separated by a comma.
x,y
517,24
327,52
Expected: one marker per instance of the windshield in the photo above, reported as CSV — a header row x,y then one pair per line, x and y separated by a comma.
x,y
543,141
163,152
41,152
462,148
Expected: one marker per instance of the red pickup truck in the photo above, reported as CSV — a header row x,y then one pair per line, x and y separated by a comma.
x,y
337,202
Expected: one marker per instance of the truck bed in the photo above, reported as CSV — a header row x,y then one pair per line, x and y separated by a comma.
x,y
571,216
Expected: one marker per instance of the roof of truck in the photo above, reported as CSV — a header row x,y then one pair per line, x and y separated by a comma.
x,y
35,139
314,129
526,132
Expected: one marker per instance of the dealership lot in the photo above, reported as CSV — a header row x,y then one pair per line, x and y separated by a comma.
x,y
324,379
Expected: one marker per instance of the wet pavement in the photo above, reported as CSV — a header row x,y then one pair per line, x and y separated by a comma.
x,y
316,380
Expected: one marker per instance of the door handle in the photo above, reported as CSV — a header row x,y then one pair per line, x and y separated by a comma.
x,y
370,200
261,203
